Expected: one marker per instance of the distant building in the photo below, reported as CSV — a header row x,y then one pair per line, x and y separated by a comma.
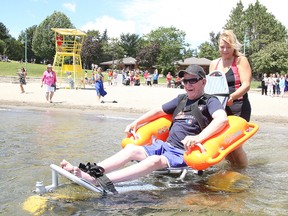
x,y
125,63
203,62
130,63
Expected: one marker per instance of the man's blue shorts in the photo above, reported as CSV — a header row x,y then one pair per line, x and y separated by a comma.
x,y
175,156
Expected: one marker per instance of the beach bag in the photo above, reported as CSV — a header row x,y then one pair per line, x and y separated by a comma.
x,y
54,86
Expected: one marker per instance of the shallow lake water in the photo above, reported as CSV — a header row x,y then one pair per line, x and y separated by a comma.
x,y
31,140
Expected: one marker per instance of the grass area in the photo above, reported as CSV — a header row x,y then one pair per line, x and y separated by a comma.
x,y
36,70
255,84
11,68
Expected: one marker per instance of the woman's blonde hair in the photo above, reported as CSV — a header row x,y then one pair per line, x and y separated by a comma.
x,y
229,37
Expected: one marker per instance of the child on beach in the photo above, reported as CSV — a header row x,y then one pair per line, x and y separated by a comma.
x,y
22,79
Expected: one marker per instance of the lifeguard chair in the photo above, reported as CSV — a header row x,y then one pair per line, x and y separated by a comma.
x,y
67,60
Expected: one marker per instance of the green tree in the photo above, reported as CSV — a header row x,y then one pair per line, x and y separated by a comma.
x,y
91,49
2,46
129,43
273,58
262,28
236,21
14,49
4,39
43,44
188,53
171,42
8,45
207,51
210,49
4,32
104,56
147,56
114,50
28,35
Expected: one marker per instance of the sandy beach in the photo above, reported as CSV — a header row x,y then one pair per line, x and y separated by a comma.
x,y
130,99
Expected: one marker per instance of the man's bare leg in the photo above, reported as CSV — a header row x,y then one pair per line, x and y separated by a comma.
x,y
130,152
120,159
132,172
51,95
140,169
47,96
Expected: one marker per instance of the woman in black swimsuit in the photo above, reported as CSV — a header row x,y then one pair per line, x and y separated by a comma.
x,y
238,74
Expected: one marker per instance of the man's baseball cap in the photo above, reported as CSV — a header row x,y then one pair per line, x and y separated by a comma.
x,y
193,69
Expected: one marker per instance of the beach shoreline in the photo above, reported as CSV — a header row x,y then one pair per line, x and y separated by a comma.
x,y
131,100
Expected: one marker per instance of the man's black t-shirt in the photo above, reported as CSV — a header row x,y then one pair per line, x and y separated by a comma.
x,y
183,124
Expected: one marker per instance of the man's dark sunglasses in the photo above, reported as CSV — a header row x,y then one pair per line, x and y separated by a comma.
x,y
191,81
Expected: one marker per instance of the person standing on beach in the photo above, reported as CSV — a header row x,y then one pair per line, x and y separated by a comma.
x,y
22,79
110,77
148,80
169,78
286,84
282,85
238,74
270,85
155,77
49,80
114,78
264,84
99,86
145,76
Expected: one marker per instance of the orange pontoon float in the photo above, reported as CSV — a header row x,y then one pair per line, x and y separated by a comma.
x,y
204,155
158,129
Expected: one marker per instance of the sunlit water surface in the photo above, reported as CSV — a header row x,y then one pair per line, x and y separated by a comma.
x,y
32,140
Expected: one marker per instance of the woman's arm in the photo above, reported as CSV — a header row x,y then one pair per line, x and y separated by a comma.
x,y
245,74
43,78
212,65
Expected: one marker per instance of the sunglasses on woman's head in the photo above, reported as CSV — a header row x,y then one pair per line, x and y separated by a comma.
x,y
191,81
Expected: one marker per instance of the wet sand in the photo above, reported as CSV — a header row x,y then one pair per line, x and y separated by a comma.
x,y
130,100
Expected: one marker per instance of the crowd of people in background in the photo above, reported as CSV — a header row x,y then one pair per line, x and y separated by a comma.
x,y
274,84
133,77
4,58
126,77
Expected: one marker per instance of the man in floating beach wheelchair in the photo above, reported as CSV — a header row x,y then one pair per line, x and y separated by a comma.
x,y
199,117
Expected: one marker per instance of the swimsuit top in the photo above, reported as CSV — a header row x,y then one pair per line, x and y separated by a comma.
x,y
232,77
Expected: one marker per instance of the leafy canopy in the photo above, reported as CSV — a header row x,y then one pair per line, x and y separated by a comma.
x,y
44,40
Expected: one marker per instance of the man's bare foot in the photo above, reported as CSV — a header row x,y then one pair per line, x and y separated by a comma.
x,y
77,172
67,166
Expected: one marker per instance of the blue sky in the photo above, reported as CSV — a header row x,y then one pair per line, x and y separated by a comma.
x,y
196,17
